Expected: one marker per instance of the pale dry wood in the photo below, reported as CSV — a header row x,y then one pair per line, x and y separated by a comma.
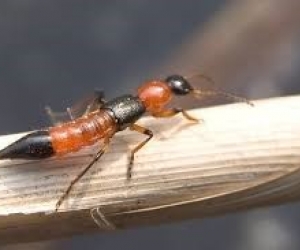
x,y
240,157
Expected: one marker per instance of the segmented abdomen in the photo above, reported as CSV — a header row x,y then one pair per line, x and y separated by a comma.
x,y
85,131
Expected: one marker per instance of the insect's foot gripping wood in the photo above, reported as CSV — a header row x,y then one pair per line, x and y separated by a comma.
x,y
240,158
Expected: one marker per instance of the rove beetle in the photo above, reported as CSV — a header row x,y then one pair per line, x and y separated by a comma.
x,y
103,119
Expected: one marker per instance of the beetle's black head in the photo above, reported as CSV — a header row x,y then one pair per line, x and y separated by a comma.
x,y
179,85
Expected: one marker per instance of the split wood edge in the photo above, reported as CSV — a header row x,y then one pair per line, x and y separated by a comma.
x,y
240,157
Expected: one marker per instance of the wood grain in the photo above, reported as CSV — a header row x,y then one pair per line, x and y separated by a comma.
x,y
239,157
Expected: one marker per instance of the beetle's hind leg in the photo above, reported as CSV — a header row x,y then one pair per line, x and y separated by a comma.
x,y
174,111
82,173
82,108
141,130
96,102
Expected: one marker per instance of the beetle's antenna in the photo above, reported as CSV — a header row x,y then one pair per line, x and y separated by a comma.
x,y
200,93
203,76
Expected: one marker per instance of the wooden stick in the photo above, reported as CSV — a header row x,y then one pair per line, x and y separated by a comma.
x,y
240,157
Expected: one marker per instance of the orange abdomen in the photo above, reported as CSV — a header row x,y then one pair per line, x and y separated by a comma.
x,y
85,131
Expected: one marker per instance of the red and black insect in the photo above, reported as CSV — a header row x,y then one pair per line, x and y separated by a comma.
x,y
102,120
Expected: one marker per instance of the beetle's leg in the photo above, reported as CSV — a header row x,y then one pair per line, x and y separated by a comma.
x,y
55,117
141,130
175,111
96,103
84,107
82,173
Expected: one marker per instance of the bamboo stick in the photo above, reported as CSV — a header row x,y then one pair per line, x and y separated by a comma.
x,y
239,157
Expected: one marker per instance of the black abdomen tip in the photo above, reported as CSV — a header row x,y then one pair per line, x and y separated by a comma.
x,y
36,145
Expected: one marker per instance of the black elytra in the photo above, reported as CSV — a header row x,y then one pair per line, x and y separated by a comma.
x,y
126,109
